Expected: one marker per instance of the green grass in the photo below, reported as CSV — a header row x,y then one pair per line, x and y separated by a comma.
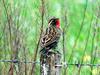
x,y
25,23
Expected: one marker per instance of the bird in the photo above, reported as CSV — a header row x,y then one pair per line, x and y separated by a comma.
x,y
51,36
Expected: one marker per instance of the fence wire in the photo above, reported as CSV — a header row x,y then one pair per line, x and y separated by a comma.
x,y
38,62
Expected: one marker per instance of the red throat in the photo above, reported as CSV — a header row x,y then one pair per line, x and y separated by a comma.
x,y
58,23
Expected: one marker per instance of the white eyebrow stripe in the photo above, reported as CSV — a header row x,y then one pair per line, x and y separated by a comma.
x,y
50,22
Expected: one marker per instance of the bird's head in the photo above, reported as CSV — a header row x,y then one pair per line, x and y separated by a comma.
x,y
54,22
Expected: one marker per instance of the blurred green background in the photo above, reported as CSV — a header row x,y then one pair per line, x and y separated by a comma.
x,y
20,28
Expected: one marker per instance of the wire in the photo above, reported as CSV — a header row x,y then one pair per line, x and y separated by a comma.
x,y
37,62
17,61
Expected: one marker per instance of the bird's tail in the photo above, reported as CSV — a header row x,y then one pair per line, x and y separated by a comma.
x,y
43,51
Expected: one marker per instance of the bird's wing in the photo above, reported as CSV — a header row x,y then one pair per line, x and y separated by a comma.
x,y
51,35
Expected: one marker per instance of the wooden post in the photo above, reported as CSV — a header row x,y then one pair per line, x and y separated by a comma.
x,y
49,64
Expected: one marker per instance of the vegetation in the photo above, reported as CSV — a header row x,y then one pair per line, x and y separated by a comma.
x,y
21,22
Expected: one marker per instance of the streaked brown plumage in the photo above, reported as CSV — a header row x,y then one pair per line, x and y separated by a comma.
x,y
51,36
